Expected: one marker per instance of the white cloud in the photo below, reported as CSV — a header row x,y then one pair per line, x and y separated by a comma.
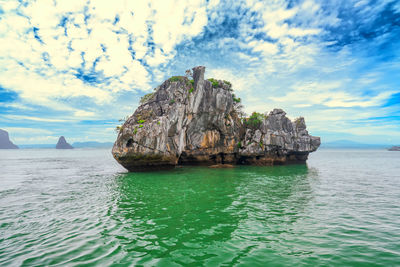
x,y
275,57
329,94
18,106
24,130
113,58
84,113
265,47
276,15
31,118
45,139
239,83
350,121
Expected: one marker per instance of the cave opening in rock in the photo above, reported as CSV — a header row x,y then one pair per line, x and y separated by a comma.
x,y
129,143
222,157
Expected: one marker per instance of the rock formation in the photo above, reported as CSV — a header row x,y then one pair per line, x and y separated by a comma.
x,y
198,122
5,142
394,148
62,144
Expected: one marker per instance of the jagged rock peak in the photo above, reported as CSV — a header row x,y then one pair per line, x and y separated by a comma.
x,y
278,111
5,142
62,144
198,76
198,121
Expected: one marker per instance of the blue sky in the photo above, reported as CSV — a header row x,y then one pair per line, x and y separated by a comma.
x,y
74,68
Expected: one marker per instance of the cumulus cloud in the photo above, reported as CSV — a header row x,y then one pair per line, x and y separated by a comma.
x,y
71,61
330,94
32,118
67,49
239,84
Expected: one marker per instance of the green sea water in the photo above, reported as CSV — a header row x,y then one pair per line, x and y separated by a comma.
x,y
79,207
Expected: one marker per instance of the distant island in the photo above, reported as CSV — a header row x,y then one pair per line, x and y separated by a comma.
x,y
351,144
5,142
201,122
394,148
62,144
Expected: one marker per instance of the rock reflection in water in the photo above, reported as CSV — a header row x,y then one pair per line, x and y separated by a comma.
x,y
196,214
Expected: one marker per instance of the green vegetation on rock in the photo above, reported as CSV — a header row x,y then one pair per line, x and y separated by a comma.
x,y
214,82
146,98
236,99
299,121
228,83
176,78
254,121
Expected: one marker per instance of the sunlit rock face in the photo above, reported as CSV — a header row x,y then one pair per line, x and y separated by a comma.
x,y
197,122
62,144
5,142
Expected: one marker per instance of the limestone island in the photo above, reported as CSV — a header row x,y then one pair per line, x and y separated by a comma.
x,y
5,142
200,122
394,148
62,144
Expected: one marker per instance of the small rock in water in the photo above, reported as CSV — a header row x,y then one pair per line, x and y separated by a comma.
x,y
62,144
5,142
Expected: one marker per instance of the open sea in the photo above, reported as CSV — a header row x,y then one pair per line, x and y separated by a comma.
x,y
79,207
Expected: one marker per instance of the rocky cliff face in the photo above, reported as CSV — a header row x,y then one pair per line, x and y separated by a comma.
x,y
5,142
62,144
198,122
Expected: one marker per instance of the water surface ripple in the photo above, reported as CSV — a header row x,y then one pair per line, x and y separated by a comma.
x,y
79,207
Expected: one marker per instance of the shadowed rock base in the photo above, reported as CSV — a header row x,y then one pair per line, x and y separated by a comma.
x,y
140,163
143,165
199,122
222,166
134,165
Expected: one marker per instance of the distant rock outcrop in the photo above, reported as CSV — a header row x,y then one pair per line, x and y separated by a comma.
x,y
5,142
394,148
193,122
62,144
